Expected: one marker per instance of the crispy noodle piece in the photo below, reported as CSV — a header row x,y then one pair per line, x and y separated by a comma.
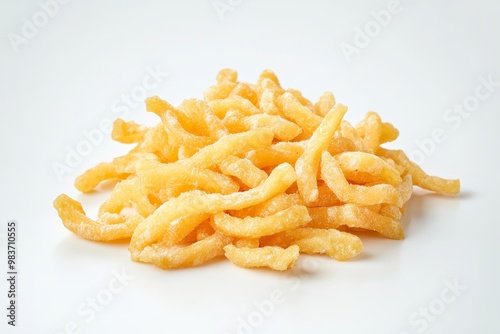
x,y
273,257
339,245
75,220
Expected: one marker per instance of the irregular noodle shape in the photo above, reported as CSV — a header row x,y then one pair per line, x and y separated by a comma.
x,y
128,132
156,176
276,154
307,165
373,131
130,192
222,106
324,104
156,142
298,113
256,227
185,256
339,245
233,144
356,194
367,168
276,258
182,227
354,216
176,132
243,169
119,168
422,179
203,119
75,220
283,129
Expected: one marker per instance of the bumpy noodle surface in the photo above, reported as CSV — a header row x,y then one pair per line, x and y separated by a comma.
x,y
253,172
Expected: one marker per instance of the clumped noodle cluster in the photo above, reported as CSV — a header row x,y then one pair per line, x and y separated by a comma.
x,y
254,172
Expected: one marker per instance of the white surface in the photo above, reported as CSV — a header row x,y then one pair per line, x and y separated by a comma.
x,y
65,79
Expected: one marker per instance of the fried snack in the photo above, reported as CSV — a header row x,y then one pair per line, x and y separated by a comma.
x,y
221,106
269,207
356,194
324,104
114,227
233,144
177,134
201,119
156,142
156,176
257,173
182,227
362,168
354,216
185,256
308,163
128,193
276,258
256,227
244,170
120,168
421,179
276,154
283,129
304,117
339,245
128,132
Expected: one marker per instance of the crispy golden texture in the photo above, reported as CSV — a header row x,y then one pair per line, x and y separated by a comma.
x,y
421,179
256,227
354,216
308,163
185,256
111,227
339,245
257,173
128,132
276,258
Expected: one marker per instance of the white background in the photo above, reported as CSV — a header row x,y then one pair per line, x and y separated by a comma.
x,y
65,79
